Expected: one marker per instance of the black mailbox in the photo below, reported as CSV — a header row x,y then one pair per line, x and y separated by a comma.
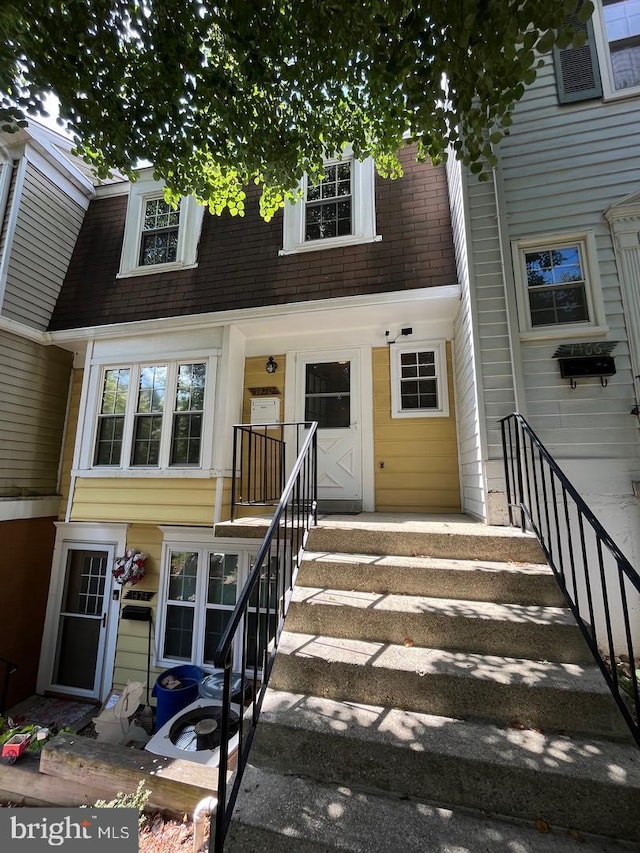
x,y
586,366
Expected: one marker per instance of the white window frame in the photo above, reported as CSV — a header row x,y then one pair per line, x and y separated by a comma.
x,y
201,541
439,348
604,56
363,211
596,324
164,468
189,228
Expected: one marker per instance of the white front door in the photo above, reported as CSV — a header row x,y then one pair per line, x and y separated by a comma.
x,y
328,391
86,615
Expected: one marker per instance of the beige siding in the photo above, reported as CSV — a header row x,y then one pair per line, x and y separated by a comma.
x,y
71,430
464,347
133,637
416,460
7,209
33,398
47,227
151,500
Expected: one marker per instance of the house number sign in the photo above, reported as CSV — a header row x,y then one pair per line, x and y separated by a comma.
x,y
585,349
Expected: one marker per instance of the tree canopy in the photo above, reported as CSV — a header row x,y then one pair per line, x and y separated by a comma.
x,y
217,95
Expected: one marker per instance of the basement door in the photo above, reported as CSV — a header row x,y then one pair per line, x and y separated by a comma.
x,y
85,615
328,391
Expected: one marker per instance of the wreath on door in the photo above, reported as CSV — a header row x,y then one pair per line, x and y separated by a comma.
x,y
130,567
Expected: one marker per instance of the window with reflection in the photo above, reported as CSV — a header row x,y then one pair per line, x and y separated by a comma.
x,y
198,596
151,415
328,394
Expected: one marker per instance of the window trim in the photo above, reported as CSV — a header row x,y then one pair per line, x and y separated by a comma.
x,y
191,214
88,466
202,541
363,211
609,91
596,324
439,348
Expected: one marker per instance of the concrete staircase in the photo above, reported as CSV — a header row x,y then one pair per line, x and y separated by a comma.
x,y
432,693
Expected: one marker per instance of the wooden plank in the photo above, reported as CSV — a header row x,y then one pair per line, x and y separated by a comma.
x,y
176,786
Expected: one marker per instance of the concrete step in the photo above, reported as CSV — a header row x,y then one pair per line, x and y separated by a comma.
x,y
456,537
540,633
549,696
475,580
417,537
284,813
586,785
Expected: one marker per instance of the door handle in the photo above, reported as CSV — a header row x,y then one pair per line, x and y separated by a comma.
x,y
104,619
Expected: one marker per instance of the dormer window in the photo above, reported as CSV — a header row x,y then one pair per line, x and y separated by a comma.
x,y
337,211
158,237
159,244
329,204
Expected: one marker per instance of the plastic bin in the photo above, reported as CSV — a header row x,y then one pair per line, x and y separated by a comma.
x,y
170,701
210,687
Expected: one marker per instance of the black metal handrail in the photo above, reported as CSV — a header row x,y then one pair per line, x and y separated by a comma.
x,y
258,464
252,634
10,668
597,580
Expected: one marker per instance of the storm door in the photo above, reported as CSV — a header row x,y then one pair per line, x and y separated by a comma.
x,y
82,622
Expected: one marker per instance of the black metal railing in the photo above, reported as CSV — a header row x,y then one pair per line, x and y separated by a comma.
x,y
599,583
248,646
259,460
9,669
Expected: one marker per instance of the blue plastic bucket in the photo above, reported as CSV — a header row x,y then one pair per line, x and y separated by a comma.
x,y
170,701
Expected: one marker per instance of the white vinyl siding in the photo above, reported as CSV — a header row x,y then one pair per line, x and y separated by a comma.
x,y
47,227
33,396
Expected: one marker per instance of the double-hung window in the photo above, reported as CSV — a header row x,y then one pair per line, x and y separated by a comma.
x,y
338,210
201,583
158,236
419,381
329,204
558,285
621,42
152,415
160,229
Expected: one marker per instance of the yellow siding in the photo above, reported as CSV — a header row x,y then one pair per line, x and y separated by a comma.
x,y
144,501
131,648
69,440
255,376
416,459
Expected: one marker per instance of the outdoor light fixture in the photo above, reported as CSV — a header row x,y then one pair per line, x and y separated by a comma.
x,y
271,365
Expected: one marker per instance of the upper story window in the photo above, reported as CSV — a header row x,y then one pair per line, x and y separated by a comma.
x,y
152,416
328,205
608,63
159,243
622,41
338,211
419,381
558,286
158,237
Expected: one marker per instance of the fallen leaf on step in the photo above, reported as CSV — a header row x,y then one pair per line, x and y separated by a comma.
x,y
408,642
542,825
516,724
575,835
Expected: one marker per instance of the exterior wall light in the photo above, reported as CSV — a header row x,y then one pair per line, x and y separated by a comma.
x,y
271,365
